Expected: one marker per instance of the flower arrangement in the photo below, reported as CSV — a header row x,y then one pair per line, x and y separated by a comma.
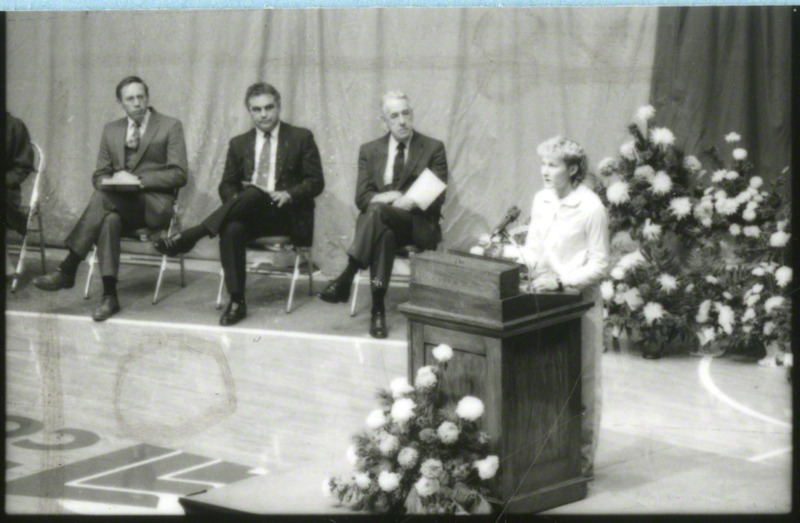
x,y
421,453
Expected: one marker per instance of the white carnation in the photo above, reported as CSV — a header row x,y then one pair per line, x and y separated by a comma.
x,y
388,444
376,419
662,136
644,171
692,164
731,175
388,481
617,273
607,290
443,352
726,318
739,154
469,408
631,260
668,282
400,387
712,279
618,193
718,175
628,150
487,467
661,183
633,298
680,207
735,229
426,377
732,137
779,239
751,231
645,112
362,480
407,457
749,314
403,410
749,214
448,432
702,312
769,327
773,302
653,311
783,276
426,487
758,271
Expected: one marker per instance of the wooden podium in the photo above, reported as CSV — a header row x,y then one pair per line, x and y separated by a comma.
x,y
521,354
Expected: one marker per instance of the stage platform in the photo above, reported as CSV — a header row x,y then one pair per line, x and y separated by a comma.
x,y
134,415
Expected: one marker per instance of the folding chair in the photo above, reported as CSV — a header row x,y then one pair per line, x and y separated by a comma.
x,y
143,238
32,210
261,259
401,273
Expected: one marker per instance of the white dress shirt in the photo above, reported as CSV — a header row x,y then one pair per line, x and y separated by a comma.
x,y
142,127
568,237
388,173
273,155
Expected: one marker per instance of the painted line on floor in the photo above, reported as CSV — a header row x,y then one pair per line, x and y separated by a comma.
x,y
704,370
770,454
211,328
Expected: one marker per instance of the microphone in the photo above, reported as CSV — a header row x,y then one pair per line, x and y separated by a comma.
x,y
510,217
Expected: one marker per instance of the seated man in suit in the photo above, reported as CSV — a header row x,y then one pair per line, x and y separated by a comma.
x,y
19,164
387,167
272,174
144,145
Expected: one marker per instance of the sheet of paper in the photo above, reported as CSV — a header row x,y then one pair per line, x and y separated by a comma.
x,y
425,189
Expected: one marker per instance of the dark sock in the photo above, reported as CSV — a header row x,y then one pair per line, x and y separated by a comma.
x,y
238,297
109,286
70,264
377,301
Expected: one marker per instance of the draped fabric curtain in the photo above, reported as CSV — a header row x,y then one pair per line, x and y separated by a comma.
x,y
723,69
490,83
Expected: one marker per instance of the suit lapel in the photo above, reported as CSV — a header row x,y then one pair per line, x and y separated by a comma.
x,y
144,142
283,151
381,157
118,137
414,155
250,155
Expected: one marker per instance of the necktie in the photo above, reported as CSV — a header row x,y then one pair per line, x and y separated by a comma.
x,y
399,163
133,141
262,177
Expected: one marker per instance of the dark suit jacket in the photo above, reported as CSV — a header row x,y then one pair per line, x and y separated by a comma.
x,y
423,152
19,157
160,161
298,171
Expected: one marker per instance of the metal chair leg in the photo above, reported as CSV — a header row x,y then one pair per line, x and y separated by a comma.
x,y
41,239
161,271
183,270
20,262
295,275
354,292
92,260
219,292
310,269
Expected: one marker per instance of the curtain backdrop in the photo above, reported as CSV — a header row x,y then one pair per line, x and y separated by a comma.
x,y
723,69
490,83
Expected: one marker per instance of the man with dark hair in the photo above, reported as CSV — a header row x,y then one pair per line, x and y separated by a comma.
x,y
19,164
272,174
143,153
387,168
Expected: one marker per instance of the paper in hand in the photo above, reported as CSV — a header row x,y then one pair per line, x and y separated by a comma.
x,y
121,181
425,189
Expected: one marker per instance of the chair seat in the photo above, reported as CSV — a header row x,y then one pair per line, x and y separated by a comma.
x,y
145,234
271,243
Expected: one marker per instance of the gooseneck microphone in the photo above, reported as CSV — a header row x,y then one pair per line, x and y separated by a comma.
x,y
510,217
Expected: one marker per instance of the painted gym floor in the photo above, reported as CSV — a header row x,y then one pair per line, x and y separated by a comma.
x,y
126,416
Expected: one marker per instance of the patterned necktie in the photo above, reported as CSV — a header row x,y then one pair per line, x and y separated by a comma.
x,y
133,141
262,177
399,163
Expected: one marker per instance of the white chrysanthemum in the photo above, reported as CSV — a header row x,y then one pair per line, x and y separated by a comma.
x,y
645,172
773,302
352,456
426,377
645,112
769,266
607,289
407,457
326,488
680,207
783,276
617,273
469,408
779,239
732,137
633,298
651,231
706,335
668,282
426,487
362,480
712,279
388,444
631,260
726,318
702,312
689,288
388,481
443,352
448,432
607,166
661,183
692,164
769,327
751,231
718,176
400,387
727,295
735,229
749,314
749,214
720,195
739,154
662,136
618,193
751,300
376,419
628,150
487,467
652,311
403,410
758,271
747,329
727,206
431,468
731,175
752,204
782,225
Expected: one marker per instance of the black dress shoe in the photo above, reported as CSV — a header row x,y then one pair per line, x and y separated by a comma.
x,y
54,281
377,325
651,355
234,313
108,307
172,246
337,291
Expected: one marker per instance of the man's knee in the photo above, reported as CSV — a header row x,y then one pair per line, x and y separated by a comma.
x,y
233,229
112,222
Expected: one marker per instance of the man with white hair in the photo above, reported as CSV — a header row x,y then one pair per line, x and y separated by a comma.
x,y
389,219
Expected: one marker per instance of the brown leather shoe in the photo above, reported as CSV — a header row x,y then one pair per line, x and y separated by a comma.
x,y
108,307
377,325
234,313
54,281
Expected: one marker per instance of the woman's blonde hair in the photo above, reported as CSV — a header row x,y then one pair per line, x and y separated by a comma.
x,y
571,152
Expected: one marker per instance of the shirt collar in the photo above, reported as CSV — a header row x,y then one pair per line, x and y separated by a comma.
x,y
273,134
573,199
393,141
131,121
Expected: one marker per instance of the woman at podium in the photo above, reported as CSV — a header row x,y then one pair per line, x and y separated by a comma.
x,y
567,246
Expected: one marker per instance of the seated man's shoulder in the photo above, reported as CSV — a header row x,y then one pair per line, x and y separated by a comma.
x,y
163,118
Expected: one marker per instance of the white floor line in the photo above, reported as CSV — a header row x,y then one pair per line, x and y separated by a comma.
x,y
770,454
704,370
79,482
212,328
